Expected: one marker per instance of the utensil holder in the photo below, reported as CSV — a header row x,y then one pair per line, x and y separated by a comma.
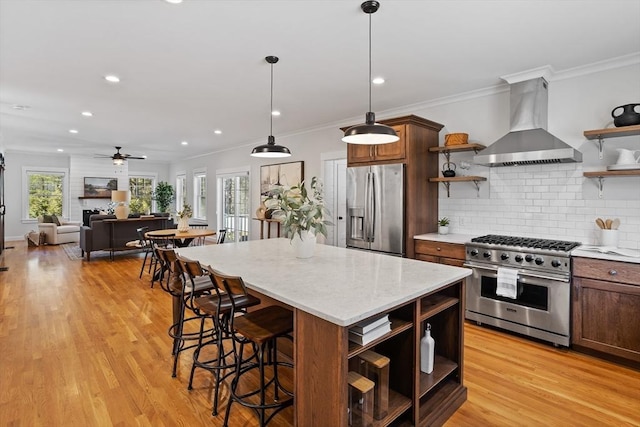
x,y
609,238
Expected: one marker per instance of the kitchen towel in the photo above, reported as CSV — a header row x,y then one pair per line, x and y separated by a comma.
x,y
507,283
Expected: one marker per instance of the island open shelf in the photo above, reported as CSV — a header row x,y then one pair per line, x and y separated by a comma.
x,y
325,306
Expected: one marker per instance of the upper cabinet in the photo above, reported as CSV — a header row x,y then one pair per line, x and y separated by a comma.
x,y
415,138
360,153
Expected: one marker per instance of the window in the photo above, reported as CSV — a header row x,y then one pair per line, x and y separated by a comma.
x,y
141,188
45,192
200,195
181,191
233,203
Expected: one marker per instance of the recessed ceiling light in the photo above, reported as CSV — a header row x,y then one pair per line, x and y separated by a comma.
x,y
60,150
275,113
87,113
184,143
174,1
377,81
73,131
217,131
111,78
20,107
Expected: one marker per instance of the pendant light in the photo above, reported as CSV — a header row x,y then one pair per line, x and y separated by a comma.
x,y
370,132
270,149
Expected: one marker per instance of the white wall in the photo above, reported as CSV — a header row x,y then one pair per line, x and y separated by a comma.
x,y
307,147
554,201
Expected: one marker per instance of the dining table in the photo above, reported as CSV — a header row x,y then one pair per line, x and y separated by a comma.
x,y
181,239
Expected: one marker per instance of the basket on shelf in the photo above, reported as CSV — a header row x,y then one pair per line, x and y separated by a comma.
x,y
456,139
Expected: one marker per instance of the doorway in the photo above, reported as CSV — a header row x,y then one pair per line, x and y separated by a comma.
x,y
335,186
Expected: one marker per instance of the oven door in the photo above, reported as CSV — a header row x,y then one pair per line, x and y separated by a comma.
x,y
541,308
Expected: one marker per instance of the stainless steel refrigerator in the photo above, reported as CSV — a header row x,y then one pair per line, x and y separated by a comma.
x,y
375,208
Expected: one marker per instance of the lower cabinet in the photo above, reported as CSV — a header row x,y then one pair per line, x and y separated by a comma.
x,y
414,397
439,252
606,309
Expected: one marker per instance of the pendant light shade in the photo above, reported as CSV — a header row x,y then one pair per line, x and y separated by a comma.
x,y
370,132
271,149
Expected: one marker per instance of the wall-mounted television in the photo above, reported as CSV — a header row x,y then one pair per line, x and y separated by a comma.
x,y
100,188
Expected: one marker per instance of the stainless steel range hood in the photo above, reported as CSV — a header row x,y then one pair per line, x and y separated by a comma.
x,y
528,142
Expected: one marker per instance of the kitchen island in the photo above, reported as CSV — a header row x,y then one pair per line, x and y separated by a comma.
x,y
339,287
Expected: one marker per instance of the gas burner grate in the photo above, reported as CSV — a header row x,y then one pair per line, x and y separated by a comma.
x,y
526,242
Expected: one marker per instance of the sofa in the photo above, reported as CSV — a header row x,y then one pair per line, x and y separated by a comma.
x,y
107,233
58,231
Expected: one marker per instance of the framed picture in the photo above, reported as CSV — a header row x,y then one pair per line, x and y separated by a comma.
x,y
99,187
282,174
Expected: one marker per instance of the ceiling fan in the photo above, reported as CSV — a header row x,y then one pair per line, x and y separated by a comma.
x,y
119,158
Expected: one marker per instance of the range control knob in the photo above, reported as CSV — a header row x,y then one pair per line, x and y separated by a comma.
x,y
474,252
539,261
556,263
504,256
487,254
518,258
529,258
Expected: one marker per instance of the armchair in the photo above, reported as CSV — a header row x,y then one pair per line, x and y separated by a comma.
x,y
60,231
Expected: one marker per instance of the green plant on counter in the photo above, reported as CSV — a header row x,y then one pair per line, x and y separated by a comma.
x,y
164,195
298,210
443,222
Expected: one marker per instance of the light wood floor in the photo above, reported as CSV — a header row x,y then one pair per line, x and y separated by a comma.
x,y
85,344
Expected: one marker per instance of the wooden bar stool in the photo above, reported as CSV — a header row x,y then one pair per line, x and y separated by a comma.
x,y
218,307
189,282
261,329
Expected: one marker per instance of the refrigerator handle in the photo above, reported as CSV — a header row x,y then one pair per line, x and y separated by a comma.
x,y
372,208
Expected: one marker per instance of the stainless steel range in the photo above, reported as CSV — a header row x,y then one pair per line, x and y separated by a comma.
x,y
521,284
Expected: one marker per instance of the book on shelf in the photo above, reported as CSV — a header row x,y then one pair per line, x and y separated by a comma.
x,y
369,324
366,338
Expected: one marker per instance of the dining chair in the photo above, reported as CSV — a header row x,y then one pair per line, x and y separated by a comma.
x,y
222,233
142,243
158,241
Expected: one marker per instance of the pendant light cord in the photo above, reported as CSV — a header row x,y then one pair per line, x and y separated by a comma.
x,y
271,110
369,61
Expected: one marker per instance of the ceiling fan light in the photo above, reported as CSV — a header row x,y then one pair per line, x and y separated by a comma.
x,y
118,162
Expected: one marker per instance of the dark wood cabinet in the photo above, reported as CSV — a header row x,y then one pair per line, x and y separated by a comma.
x,y
440,252
374,154
417,135
606,309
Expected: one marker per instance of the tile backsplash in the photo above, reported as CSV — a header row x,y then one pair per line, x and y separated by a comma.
x,y
545,201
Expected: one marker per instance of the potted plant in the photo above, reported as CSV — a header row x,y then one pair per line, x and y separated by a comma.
x,y
302,214
443,225
183,217
163,195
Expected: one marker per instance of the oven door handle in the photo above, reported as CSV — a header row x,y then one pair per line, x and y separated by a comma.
x,y
520,273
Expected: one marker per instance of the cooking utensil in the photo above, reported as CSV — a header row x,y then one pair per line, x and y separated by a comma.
x,y
607,224
615,224
600,223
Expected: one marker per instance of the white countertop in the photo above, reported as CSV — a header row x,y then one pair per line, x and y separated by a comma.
x,y
607,253
447,238
342,286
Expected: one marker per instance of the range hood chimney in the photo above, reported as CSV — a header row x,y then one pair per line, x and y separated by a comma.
x,y
528,142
